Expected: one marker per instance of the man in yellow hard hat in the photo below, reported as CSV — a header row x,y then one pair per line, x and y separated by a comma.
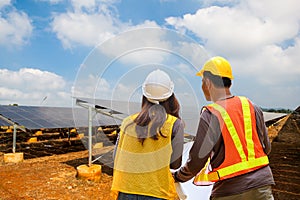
x,y
231,145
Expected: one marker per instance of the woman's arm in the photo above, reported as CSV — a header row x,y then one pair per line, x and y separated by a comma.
x,y
177,144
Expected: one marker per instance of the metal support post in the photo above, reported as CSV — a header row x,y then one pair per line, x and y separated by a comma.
x,y
14,138
90,135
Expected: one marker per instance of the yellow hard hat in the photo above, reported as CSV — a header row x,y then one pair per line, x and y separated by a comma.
x,y
217,66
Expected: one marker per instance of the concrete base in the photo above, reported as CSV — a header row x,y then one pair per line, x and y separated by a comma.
x,y
13,157
80,135
9,130
92,173
98,145
38,133
32,140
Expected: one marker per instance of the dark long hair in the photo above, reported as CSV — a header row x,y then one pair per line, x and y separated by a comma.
x,y
152,117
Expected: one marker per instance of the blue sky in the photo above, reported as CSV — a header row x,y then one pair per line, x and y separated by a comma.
x,y
47,48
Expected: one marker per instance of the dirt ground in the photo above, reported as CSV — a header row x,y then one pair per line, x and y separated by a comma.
x,y
285,158
51,177
54,177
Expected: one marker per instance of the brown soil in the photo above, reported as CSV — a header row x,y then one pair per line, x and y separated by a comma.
x,y
51,177
54,177
285,158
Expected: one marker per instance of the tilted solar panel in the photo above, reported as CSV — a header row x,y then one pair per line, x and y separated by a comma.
x,y
36,117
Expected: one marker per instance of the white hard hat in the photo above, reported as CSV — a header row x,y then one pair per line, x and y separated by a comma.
x,y
158,86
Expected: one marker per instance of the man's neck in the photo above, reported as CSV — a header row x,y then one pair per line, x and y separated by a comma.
x,y
221,94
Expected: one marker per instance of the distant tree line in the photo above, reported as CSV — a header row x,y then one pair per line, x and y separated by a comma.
x,y
14,104
277,110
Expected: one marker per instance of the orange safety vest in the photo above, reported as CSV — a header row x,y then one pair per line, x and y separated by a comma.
x,y
243,150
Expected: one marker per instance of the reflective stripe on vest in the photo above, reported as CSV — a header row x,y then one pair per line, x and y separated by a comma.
x,y
247,162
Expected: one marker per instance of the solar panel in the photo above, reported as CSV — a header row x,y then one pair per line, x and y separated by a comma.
x,y
114,106
4,123
35,117
188,114
268,116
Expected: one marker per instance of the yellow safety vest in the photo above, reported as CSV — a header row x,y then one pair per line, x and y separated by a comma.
x,y
144,169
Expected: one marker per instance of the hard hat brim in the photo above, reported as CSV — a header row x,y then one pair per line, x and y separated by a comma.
x,y
200,73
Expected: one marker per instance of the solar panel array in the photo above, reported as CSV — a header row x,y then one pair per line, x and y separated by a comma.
x,y
36,117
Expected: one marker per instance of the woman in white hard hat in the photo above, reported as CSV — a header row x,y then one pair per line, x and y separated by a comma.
x,y
150,143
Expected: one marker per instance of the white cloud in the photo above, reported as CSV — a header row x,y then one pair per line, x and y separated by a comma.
x,y
32,79
126,92
87,4
194,53
88,23
138,46
235,29
91,85
187,69
15,29
4,3
31,86
81,28
279,10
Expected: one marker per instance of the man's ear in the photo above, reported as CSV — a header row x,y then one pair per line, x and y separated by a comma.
x,y
209,83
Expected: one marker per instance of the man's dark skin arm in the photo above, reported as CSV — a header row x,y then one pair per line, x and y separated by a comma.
x,y
204,144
